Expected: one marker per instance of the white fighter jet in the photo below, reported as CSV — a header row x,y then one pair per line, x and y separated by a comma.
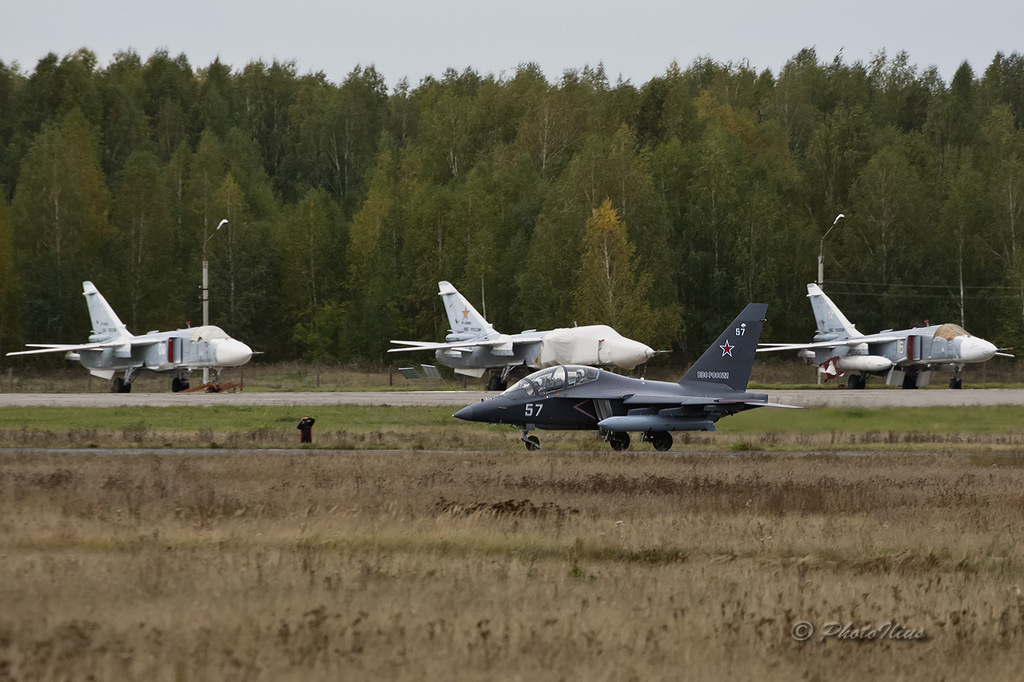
x,y
905,357
112,349
473,347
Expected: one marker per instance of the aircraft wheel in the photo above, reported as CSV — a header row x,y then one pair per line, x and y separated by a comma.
x,y
619,440
956,383
175,385
532,443
118,386
910,381
856,382
662,440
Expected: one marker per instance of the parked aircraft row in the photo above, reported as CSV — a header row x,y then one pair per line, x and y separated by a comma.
x,y
569,390
581,398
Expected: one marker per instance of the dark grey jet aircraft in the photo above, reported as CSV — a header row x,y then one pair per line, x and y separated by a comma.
x,y
578,398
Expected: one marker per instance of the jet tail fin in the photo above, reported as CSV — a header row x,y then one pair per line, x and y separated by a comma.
x,y
105,322
832,324
729,359
463,318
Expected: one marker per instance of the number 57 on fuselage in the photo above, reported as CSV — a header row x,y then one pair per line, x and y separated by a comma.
x,y
582,398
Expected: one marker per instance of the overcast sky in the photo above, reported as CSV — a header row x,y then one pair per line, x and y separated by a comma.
x,y
634,39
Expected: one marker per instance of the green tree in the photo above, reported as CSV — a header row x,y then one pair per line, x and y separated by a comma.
x,y
884,244
170,100
310,239
141,218
125,125
13,137
8,281
374,250
610,288
62,234
216,98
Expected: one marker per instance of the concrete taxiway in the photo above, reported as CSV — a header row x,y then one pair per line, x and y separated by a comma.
x,y
807,398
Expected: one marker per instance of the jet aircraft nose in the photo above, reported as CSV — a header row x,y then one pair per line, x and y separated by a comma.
x,y
973,349
627,353
232,353
488,411
467,413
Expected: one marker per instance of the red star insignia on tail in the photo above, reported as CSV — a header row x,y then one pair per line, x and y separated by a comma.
x,y
726,349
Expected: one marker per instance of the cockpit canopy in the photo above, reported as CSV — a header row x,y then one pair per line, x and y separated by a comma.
x,y
950,331
554,379
207,333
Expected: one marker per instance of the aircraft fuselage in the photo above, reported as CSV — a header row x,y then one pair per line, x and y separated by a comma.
x,y
167,352
913,352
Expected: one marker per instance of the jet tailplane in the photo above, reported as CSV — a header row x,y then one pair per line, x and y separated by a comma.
x,y
729,359
832,324
463,318
105,322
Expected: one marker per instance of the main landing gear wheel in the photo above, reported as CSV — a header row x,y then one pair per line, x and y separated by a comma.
x,y
619,440
179,385
661,440
956,383
119,385
532,443
856,382
909,381
496,383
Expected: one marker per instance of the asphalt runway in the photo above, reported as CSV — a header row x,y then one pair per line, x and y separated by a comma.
x,y
809,398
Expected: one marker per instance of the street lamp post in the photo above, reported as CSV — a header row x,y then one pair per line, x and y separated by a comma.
x,y
206,289
821,250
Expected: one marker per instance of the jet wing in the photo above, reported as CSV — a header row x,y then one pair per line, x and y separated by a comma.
x,y
506,340
642,399
66,347
62,347
458,347
854,341
695,401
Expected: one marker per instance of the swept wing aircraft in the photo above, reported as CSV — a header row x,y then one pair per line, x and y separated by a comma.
x,y
473,347
905,358
112,349
581,398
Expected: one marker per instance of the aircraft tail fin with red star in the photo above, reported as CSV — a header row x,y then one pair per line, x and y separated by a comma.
x,y
464,320
832,324
728,360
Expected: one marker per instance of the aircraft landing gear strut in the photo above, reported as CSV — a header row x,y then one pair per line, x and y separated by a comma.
x,y
619,440
119,385
123,384
956,382
661,440
532,442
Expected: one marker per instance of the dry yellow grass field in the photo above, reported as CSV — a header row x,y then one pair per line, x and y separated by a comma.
x,y
240,565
